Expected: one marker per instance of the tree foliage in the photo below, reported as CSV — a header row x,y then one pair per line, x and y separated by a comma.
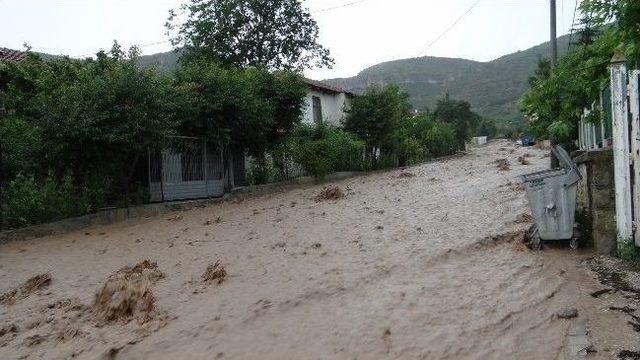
x,y
557,97
457,113
275,34
625,17
76,129
376,116
250,110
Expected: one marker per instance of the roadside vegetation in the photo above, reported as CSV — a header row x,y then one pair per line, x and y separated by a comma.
x,y
557,96
76,133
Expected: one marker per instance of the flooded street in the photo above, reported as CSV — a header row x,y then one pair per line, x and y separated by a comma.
x,y
422,263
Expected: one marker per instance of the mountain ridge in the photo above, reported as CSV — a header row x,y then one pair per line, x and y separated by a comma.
x,y
493,88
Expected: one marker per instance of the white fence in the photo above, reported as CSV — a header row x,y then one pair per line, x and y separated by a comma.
x,y
625,113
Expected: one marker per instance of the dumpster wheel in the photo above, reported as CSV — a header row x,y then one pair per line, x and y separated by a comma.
x,y
574,243
533,238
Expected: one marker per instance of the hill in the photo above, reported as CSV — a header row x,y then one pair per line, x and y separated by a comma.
x,y
493,88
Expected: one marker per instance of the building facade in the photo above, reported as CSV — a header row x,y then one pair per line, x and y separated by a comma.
x,y
324,103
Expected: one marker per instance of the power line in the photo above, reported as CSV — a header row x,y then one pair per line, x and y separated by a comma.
x,y
450,27
573,24
142,46
340,6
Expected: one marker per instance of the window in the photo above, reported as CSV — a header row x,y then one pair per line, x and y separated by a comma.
x,y
317,109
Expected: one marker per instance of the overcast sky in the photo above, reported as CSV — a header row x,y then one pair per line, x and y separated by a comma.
x,y
359,35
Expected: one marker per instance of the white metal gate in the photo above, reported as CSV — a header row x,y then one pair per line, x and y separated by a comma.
x,y
190,168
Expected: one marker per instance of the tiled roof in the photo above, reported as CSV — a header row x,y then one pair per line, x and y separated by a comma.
x,y
324,87
11,55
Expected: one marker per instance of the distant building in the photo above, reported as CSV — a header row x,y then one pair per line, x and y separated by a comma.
x,y
325,103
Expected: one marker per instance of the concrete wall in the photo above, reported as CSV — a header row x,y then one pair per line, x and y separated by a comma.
x,y
596,198
333,106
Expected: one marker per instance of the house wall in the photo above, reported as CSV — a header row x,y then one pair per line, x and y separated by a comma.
x,y
333,106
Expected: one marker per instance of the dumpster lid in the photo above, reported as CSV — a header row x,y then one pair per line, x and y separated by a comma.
x,y
563,157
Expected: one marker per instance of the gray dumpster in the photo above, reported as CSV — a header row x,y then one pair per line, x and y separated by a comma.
x,y
552,198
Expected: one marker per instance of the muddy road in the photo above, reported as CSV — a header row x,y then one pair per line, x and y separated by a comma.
x,y
421,263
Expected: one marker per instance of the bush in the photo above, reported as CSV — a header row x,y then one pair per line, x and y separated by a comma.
x,y
440,139
27,201
422,138
323,149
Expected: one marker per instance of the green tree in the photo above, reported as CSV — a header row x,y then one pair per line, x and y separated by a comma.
x,y
457,113
625,17
251,109
557,96
376,117
276,34
96,117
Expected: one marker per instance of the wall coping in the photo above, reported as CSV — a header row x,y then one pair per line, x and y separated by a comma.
x,y
594,155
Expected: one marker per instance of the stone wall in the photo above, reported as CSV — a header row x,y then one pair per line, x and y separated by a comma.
x,y
596,198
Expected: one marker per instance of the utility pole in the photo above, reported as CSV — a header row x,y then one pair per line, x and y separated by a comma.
x,y
554,59
554,38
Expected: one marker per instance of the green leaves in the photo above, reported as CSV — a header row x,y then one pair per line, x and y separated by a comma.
x,y
377,115
322,149
457,113
249,109
274,34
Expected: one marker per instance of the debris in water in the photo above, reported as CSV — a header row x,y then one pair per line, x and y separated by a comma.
x,y
523,160
317,246
597,294
524,219
214,273
629,355
406,174
634,325
503,164
27,288
126,295
615,280
330,193
8,329
33,340
624,309
568,313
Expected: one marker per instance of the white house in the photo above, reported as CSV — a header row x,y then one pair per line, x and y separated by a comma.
x,y
325,103
193,168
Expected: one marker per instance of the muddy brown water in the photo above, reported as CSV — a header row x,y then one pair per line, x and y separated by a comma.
x,y
401,267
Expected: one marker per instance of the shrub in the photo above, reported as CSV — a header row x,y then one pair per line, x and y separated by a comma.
x,y
440,139
27,201
322,149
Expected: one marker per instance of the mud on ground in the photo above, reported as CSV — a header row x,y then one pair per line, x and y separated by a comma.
x,y
426,266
